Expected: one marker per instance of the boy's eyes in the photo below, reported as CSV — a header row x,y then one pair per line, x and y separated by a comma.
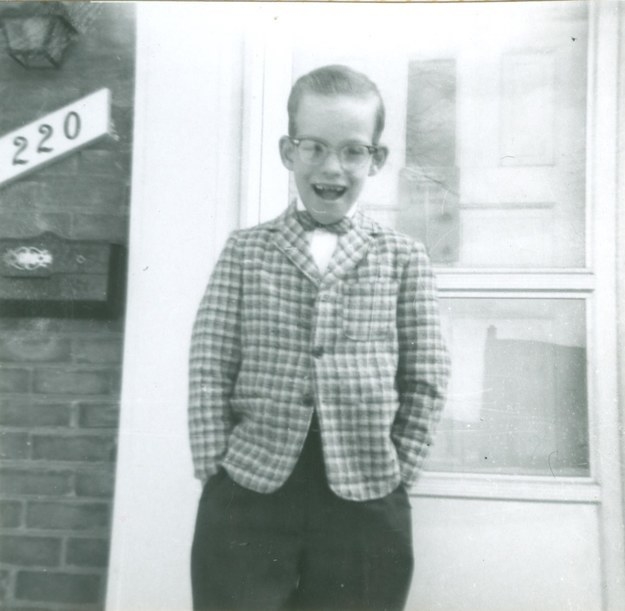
x,y
355,150
320,149
313,147
351,155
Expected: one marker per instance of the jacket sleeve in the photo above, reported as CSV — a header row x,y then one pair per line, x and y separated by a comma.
x,y
214,364
423,365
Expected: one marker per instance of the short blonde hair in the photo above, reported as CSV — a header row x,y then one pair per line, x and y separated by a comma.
x,y
336,80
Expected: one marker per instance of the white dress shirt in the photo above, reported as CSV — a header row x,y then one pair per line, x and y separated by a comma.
x,y
322,243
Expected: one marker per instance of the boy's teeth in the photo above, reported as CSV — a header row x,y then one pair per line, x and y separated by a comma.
x,y
329,188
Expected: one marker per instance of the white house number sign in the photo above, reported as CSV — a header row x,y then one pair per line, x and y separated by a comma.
x,y
55,135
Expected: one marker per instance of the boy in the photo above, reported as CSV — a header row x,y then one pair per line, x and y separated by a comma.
x,y
317,373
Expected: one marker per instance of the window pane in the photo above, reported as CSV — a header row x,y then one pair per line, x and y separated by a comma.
x,y
486,124
518,389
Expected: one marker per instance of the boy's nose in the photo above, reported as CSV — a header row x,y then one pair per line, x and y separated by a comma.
x,y
332,163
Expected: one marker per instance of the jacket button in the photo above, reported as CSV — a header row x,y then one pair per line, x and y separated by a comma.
x,y
318,351
308,400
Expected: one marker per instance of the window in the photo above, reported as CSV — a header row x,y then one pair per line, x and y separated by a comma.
x,y
488,169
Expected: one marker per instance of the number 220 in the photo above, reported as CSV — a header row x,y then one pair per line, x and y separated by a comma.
x,y
71,130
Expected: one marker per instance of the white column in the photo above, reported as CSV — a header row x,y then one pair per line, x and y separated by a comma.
x,y
185,200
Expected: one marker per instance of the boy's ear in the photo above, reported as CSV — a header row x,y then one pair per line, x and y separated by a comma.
x,y
287,152
378,160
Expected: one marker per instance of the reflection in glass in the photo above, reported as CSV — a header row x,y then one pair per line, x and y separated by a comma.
x,y
486,125
495,146
518,391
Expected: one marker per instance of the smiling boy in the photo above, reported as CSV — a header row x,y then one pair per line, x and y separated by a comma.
x,y
327,191
317,374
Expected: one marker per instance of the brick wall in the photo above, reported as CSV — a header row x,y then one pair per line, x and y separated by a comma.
x,y
60,377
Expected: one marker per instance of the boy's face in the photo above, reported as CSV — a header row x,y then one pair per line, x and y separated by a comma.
x,y
327,190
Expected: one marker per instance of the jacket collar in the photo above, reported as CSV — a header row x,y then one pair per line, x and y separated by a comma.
x,y
290,238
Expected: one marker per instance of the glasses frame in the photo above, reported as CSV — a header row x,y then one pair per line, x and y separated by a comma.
x,y
371,148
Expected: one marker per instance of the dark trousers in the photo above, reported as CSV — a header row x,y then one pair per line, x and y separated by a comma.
x,y
301,547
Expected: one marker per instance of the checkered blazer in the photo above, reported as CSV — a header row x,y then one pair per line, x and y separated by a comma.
x,y
275,340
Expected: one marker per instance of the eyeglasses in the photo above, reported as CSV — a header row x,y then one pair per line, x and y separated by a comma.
x,y
352,156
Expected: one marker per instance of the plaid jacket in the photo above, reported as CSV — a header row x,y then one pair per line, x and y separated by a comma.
x,y
274,340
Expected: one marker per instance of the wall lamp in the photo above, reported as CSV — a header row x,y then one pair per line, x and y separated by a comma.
x,y
37,33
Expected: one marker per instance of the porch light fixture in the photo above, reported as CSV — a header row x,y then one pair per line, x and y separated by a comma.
x,y
37,33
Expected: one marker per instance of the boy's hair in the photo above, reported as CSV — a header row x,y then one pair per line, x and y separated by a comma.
x,y
336,80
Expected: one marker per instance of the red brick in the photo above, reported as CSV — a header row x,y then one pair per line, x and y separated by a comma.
x,y
83,15
96,484
19,195
98,416
58,515
116,28
14,380
34,349
67,166
31,482
124,94
73,448
60,325
10,514
98,350
101,227
61,381
116,383
44,97
20,225
94,162
58,587
87,552
14,445
5,585
123,122
83,193
30,551
17,413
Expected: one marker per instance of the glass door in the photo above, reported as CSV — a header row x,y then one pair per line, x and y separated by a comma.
x,y
487,168
499,136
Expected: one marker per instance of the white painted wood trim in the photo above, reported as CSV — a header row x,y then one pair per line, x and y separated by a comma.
x,y
267,81
566,281
603,389
252,129
508,487
278,80
185,201
620,243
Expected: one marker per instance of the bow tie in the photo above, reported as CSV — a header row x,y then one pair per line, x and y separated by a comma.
x,y
307,221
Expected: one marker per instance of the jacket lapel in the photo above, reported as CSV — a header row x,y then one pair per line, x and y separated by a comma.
x,y
290,238
351,248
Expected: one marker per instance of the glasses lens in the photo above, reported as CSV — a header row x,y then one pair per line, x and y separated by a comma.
x,y
354,155
311,151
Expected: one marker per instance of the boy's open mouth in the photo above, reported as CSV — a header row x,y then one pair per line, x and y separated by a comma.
x,y
329,192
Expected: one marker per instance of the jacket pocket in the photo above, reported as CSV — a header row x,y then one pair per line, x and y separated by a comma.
x,y
369,309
